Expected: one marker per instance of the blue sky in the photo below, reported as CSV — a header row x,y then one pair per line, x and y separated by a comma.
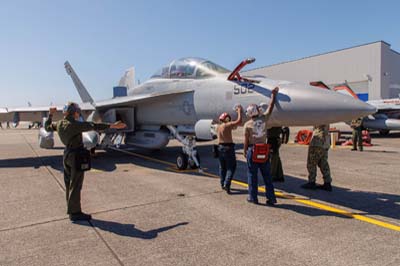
x,y
103,38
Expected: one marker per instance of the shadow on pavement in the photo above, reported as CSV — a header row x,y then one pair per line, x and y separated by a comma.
x,y
55,162
367,202
373,203
128,230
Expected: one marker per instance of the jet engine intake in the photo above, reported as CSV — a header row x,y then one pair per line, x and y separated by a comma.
x,y
126,115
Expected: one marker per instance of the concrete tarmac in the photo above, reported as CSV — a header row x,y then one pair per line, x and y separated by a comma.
x,y
145,212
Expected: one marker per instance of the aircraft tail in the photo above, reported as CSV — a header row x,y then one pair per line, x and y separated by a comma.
x,y
346,90
128,79
83,93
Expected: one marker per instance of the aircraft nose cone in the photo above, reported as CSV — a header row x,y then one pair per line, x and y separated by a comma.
x,y
314,106
363,108
344,105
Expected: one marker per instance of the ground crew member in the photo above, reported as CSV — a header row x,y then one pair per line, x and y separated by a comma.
x,y
255,132
1,125
226,148
356,137
318,155
8,124
70,132
274,139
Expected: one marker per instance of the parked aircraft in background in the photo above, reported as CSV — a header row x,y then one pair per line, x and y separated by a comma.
x,y
184,98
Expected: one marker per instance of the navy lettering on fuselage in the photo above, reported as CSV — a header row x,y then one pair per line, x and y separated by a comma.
x,y
243,88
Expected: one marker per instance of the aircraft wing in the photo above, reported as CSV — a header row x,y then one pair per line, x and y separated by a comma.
x,y
129,101
36,113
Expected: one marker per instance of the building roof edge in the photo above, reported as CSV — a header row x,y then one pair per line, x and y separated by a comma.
x,y
335,51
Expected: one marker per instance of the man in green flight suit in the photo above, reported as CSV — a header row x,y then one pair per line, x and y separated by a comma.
x,y
70,132
356,137
318,156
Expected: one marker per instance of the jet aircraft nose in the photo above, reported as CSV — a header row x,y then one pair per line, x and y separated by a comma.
x,y
307,105
363,108
338,107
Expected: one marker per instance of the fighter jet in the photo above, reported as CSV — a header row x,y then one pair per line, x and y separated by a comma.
x,y
185,98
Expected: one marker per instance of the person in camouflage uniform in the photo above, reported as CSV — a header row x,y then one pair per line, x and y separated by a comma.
x,y
356,137
70,131
318,156
274,139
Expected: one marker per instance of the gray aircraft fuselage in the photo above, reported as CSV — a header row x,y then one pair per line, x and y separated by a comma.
x,y
297,104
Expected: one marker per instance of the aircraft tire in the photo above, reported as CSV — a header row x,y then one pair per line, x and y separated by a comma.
x,y
182,161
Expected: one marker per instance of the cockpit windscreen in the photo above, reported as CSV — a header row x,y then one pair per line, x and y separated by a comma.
x,y
190,68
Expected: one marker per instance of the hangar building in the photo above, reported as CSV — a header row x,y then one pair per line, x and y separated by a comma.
x,y
372,70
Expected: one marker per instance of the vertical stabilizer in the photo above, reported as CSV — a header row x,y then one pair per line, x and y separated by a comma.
x,y
128,79
83,93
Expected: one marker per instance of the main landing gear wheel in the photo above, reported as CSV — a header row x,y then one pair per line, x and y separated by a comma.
x,y
192,163
182,161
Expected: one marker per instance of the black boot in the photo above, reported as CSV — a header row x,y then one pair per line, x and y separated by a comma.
x,y
227,188
309,185
80,216
325,186
252,201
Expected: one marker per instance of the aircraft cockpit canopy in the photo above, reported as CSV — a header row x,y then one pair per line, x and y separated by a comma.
x,y
190,68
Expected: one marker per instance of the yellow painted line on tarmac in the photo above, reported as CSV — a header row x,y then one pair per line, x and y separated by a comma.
x,y
96,170
329,208
301,200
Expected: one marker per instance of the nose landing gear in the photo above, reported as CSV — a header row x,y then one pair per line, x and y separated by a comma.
x,y
189,155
